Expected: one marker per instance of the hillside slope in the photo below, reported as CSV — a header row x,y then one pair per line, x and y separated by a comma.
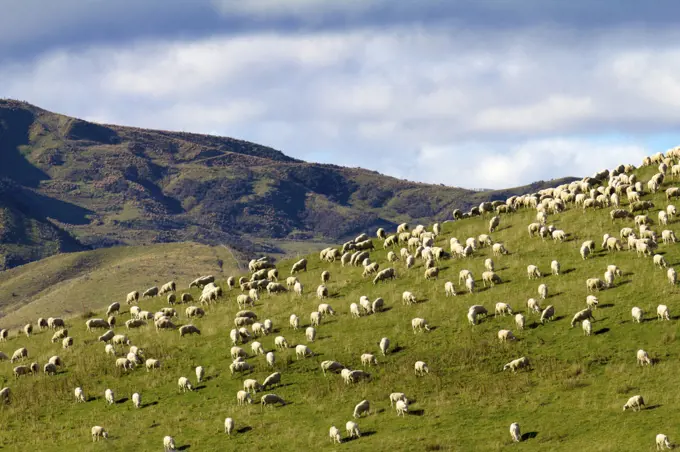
x,y
570,398
111,185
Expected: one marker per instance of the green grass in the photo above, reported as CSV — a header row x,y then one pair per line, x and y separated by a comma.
x,y
570,400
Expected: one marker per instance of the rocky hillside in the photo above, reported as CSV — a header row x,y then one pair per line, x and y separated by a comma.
x,y
70,185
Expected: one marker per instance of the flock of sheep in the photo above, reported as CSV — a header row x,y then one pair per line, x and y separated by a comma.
x,y
603,190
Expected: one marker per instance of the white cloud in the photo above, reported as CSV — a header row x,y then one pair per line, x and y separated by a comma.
x,y
434,104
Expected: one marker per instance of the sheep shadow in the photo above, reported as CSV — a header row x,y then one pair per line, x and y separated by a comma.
x,y
386,309
397,349
601,331
198,388
210,377
92,398
605,305
567,271
558,318
185,447
554,295
121,401
529,435
245,429
621,283
419,412
653,407
433,328
144,405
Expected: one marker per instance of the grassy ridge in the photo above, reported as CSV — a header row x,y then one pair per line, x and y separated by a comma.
x,y
570,400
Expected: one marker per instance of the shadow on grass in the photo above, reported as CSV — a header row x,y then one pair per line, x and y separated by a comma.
x,y
606,305
652,407
622,283
245,429
185,447
363,435
386,309
149,404
418,412
123,400
398,349
555,294
198,388
92,398
558,318
567,271
529,435
601,331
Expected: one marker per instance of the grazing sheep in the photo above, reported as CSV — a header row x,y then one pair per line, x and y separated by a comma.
x,y
202,281
421,368
547,314
50,369
519,321
302,351
352,429
280,342
432,273
668,236
418,324
408,298
334,433
270,359
294,321
518,363
594,284
474,311
150,292
107,336
660,261
299,266
152,364
587,327
543,291
310,334
384,345
402,407
271,380
368,359
132,297
502,309
21,370
228,426
239,366
581,316
643,358
184,385
125,363
200,373
362,407
506,335
168,444
635,403
490,277
109,396
332,366
134,323
325,309
99,432
271,399
321,292
137,400
637,314
662,442
555,268
79,394
19,354
533,272
256,348
533,306
67,342
188,329
662,312
315,318
96,323
672,276
515,433
251,384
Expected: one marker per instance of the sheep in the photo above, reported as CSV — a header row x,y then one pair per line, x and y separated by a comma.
x,y
432,273
299,266
271,380
334,435
294,321
582,315
19,354
402,407
132,297
533,306
332,366
643,358
134,323
533,272
408,298
268,326
99,432
79,395
96,323
321,292
502,309
518,363
271,399
515,433
152,364
107,336
474,311
506,335
668,236
362,407
251,384
470,284
543,291
137,400
50,369
662,312
109,397
547,314
418,324
239,366
188,329
150,292
594,284
384,275
124,363
280,342
421,368
587,327
498,249
660,261
120,339
662,442
168,444
184,385
555,268
519,321
302,351
202,281
672,276
637,314
200,373
384,345
635,403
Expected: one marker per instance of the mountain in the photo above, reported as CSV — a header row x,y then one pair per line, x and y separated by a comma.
x,y
70,185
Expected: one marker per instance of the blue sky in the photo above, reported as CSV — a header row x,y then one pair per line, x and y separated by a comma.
x,y
462,92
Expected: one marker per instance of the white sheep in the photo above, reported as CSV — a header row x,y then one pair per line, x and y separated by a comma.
x,y
280,342
315,318
251,384
408,298
514,432
533,272
418,324
519,321
396,396
271,399
321,292
662,442
152,364
354,310
643,358
294,321
506,335
592,301
384,345
515,364
352,429
228,426
449,289
662,312
79,394
99,432
402,407
672,276
109,396
635,403
555,268
502,309
257,348
271,359
302,351
362,407
470,284
325,309
421,368
534,306
168,444
660,261
310,333
200,373
368,359
637,314
137,400
184,385
243,397
334,435
543,291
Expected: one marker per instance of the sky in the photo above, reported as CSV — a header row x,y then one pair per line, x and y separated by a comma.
x,y
469,93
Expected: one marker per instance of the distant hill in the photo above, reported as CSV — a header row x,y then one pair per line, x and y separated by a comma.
x,y
70,185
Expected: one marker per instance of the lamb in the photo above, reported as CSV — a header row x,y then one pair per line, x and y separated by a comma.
x,y
271,399
99,432
168,444
271,380
519,321
280,342
384,345
152,364
19,354
518,363
362,407
302,351
581,316
79,394
132,297
299,266
421,368
184,385
408,298
547,314
502,309
188,329
643,358
506,335
243,397
334,433
109,396
418,324
515,433
662,442
543,291
635,403
662,312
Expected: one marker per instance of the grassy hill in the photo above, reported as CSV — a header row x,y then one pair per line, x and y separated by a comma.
x,y
570,398
74,185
